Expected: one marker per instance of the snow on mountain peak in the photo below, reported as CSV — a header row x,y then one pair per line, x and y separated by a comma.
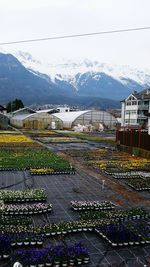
x,y
69,69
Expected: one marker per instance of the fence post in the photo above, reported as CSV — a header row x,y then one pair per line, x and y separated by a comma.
x,y
123,141
139,139
131,133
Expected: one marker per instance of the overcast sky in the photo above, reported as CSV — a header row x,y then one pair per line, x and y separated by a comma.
x,y
28,19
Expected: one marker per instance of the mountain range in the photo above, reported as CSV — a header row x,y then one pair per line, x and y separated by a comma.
x,y
85,83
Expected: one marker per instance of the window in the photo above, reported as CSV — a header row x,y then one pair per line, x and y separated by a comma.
x,y
133,121
133,111
129,112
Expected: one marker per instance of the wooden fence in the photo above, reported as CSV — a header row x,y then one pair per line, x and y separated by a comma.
x,y
133,138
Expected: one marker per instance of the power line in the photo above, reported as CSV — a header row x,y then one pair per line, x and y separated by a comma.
x,y
75,35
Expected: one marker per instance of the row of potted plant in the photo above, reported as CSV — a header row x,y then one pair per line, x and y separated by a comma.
x,y
91,205
24,209
29,195
88,222
115,166
118,235
142,228
22,239
139,184
126,175
53,228
58,255
125,234
66,227
120,215
51,171
11,220
26,239
5,246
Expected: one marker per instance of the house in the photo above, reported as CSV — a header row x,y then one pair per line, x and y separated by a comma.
x,y
3,121
135,109
3,118
3,109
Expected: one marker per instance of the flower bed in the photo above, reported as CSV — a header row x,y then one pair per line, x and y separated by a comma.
x,y
14,159
25,209
13,138
29,195
16,140
139,184
119,166
58,255
91,205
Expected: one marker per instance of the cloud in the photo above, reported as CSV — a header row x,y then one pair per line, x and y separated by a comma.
x,y
28,19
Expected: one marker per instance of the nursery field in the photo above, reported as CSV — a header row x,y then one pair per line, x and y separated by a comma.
x,y
19,152
89,136
86,206
20,159
65,194
38,133
47,140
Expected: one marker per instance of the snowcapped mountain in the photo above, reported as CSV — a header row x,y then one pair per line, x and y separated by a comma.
x,y
86,77
68,69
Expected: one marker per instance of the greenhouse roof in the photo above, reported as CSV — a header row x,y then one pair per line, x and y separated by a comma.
x,y
27,115
23,109
21,117
46,110
70,116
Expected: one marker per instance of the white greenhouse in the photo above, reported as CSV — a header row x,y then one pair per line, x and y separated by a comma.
x,y
29,119
68,120
51,119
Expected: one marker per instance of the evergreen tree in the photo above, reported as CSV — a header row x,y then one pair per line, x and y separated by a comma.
x,y
14,105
